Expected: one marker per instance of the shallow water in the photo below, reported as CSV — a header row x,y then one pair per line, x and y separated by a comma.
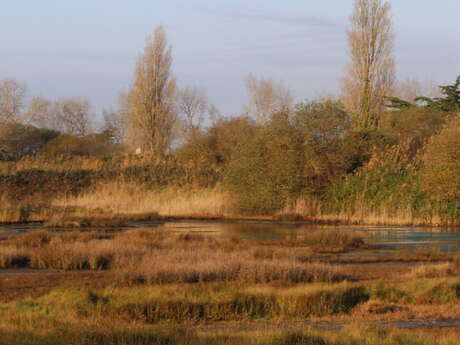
x,y
383,239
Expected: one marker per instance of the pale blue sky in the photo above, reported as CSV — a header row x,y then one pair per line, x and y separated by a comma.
x,y
88,48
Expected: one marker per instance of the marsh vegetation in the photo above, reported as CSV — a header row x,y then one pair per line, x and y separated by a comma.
x,y
99,262
166,284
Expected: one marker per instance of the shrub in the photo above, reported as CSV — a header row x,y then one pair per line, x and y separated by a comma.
x,y
267,170
441,177
216,146
18,141
323,127
90,145
412,128
39,185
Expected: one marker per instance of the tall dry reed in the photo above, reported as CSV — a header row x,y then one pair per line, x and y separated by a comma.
x,y
124,198
155,256
362,213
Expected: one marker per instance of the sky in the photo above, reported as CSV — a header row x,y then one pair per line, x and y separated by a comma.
x,y
88,48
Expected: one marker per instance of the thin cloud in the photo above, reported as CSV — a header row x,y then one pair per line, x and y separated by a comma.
x,y
276,17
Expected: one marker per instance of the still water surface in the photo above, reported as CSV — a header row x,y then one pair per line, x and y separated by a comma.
x,y
444,240
381,239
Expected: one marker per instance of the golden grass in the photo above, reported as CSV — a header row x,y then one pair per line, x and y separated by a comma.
x,y
123,198
116,311
155,256
129,198
9,212
211,302
433,270
123,334
363,214
106,333
17,212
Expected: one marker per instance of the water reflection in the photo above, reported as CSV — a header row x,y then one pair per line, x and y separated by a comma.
x,y
383,239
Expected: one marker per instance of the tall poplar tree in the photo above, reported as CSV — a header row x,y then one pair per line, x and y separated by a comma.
x,y
371,72
150,108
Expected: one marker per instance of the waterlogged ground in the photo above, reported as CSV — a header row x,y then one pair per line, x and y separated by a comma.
x,y
381,240
387,254
384,243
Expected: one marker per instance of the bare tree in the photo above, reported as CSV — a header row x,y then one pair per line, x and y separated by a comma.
x,y
114,124
72,116
266,97
371,72
12,97
40,113
214,113
150,107
409,89
192,104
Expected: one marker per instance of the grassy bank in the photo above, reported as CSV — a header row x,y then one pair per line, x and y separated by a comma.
x,y
151,315
105,335
63,190
430,299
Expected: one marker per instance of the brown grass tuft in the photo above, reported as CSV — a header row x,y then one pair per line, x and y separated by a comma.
x,y
157,256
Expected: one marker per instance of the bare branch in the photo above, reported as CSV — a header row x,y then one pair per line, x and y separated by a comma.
x,y
39,113
192,104
114,124
72,116
12,97
150,107
266,97
371,72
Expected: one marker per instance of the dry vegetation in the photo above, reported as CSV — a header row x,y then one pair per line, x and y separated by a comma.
x,y
123,198
148,315
115,334
159,280
366,159
155,256
362,212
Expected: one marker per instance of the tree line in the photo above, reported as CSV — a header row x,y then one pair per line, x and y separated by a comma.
x,y
276,149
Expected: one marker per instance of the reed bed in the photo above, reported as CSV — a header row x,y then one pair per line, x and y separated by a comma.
x,y
160,257
113,198
12,212
130,198
360,213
